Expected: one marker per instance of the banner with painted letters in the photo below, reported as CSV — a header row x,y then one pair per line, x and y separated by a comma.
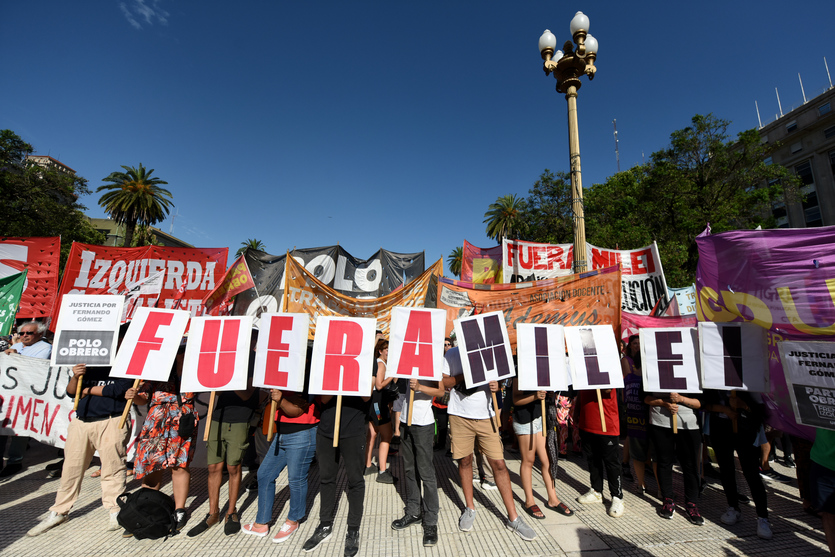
x,y
416,343
87,331
669,360
281,353
733,356
41,257
594,357
485,348
810,375
150,344
530,261
343,353
217,354
481,265
540,351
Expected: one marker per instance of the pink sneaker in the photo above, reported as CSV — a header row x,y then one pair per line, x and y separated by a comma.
x,y
286,531
252,530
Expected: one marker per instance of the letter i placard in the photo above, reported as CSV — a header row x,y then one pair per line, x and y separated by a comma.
x,y
87,330
734,356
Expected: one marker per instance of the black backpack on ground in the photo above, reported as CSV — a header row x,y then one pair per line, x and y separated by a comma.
x,y
147,514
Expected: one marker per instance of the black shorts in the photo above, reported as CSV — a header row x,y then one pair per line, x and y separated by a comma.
x,y
378,412
822,487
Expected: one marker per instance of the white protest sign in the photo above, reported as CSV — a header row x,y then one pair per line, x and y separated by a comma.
x,y
733,357
87,330
669,360
540,350
416,343
148,288
217,354
150,345
594,357
810,375
485,348
282,351
343,354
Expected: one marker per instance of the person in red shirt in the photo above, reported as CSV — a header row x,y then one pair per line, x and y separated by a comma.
x,y
601,449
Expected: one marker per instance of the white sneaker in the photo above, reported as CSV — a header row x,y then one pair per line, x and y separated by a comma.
x,y
764,529
113,524
731,516
51,521
591,496
617,507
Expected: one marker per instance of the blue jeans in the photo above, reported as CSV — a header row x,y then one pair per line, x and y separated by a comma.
x,y
295,451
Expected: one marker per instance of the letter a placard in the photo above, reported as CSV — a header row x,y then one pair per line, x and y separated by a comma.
x,y
734,356
150,345
594,357
416,349
541,353
485,348
668,360
217,354
343,353
282,351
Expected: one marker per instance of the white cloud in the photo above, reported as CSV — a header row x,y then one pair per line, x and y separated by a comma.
x,y
144,12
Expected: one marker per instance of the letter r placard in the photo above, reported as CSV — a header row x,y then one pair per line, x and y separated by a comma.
x,y
217,354
343,352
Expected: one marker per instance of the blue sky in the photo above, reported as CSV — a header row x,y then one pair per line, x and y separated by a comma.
x,y
379,124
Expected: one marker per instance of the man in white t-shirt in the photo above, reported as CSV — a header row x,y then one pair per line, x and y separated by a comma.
x,y
470,421
416,448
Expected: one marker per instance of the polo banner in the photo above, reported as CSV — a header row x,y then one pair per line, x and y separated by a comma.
x,y
379,275
782,280
87,330
529,261
105,270
307,294
41,256
416,347
34,400
281,353
236,280
594,357
541,354
217,354
343,353
11,289
150,345
733,357
591,298
481,265
631,323
669,360
484,348
810,375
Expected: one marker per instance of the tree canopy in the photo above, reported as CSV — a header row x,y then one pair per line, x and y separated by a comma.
x,y
503,218
251,243
454,261
134,197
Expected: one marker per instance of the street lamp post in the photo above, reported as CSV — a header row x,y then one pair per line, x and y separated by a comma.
x,y
567,68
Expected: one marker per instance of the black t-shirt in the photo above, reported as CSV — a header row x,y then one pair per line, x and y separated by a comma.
x,y
111,403
352,423
230,408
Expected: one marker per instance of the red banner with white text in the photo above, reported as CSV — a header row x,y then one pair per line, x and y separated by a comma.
x,y
41,256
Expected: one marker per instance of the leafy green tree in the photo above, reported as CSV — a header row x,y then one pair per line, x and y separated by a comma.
x,y
39,200
548,215
454,261
251,243
702,177
144,236
134,197
504,218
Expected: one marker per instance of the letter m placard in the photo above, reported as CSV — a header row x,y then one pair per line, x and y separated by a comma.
x,y
485,348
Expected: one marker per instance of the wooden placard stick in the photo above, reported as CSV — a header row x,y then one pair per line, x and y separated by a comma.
x,y
209,416
544,433
675,423
336,423
127,406
734,421
411,403
496,412
600,406
271,417
78,388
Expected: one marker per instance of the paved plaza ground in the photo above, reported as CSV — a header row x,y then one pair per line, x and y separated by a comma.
x,y
26,498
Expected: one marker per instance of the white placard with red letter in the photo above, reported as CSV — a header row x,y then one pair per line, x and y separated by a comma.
x,y
217,354
343,354
282,351
485,348
669,360
594,356
150,345
540,350
87,330
416,344
734,356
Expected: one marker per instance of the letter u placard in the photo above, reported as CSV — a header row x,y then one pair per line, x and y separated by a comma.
x,y
217,354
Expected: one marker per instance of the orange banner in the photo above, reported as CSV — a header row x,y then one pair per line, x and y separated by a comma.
x,y
236,280
591,298
304,293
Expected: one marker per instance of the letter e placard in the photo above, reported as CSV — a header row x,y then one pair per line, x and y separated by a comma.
x,y
668,360
282,351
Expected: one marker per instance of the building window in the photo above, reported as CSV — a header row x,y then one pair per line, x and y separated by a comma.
x,y
769,160
829,132
797,147
804,172
791,126
832,162
824,109
811,207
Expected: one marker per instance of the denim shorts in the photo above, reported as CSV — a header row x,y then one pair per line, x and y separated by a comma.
x,y
530,428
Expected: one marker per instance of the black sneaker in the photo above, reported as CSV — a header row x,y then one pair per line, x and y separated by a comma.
x,y
127,533
693,515
385,478
252,485
788,462
233,524
321,533
742,498
203,525
667,509
405,522
352,542
430,536
182,518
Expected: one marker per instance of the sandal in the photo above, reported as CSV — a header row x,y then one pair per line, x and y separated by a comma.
x,y
560,509
535,512
96,474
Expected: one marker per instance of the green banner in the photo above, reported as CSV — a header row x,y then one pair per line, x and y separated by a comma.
x,y
11,289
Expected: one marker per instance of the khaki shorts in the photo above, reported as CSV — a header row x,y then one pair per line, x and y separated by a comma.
x,y
465,432
227,443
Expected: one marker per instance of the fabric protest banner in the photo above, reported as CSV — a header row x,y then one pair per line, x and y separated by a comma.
x,y
87,330
685,300
594,357
34,400
343,353
530,261
217,354
485,348
540,350
632,323
779,279
106,270
11,289
641,274
281,353
591,298
810,375
416,343
147,290
306,294
733,357
41,257
669,360
481,265
236,280
379,275
150,344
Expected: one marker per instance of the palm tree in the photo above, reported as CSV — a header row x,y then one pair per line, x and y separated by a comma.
x,y
250,244
504,217
454,261
134,197
144,236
